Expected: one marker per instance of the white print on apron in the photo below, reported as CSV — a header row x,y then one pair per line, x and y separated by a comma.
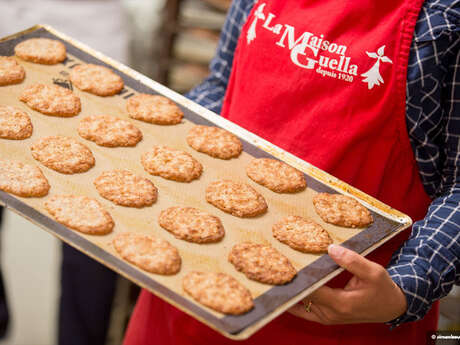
x,y
340,67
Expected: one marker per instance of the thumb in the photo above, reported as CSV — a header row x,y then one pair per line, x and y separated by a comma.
x,y
352,262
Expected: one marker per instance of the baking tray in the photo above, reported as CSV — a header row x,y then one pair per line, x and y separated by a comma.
x,y
270,301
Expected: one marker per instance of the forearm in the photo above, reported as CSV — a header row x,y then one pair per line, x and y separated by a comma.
x,y
428,264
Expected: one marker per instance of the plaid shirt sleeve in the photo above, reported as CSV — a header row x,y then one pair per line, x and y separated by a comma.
x,y
428,264
210,93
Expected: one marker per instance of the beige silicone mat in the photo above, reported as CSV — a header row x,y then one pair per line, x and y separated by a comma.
x,y
314,270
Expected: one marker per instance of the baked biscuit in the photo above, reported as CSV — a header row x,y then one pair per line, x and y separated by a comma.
x,y
302,234
10,71
341,210
41,50
154,109
63,154
236,198
51,100
191,224
262,263
109,131
95,79
14,123
218,291
21,179
149,253
126,189
276,176
214,141
171,164
80,213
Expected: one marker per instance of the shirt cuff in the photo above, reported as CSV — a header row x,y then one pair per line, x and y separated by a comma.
x,y
415,287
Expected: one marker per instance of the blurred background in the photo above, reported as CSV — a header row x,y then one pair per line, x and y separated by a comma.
x,y
171,41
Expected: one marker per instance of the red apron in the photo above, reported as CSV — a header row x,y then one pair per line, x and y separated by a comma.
x,y
324,80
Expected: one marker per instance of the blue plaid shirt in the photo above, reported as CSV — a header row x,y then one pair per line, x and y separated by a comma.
x,y
428,264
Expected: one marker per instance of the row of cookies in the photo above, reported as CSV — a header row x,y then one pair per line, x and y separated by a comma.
x,y
220,144
124,188
91,78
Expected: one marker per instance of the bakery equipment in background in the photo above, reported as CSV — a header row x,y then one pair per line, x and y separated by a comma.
x,y
173,41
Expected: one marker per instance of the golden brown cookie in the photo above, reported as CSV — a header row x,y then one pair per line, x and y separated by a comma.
x,y
302,234
51,100
341,210
21,179
126,189
218,291
148,252
41,50
236,198
191,224
10,71
63,154
95,79
171,164
214,141
276,175
14,123
154,109
262,263
109,131
80,213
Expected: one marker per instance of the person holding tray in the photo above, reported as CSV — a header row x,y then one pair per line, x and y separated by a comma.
x,y
369,92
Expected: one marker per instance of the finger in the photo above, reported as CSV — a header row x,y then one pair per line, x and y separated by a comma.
x,y
326,296
299,311
319,312
333,305
353,262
